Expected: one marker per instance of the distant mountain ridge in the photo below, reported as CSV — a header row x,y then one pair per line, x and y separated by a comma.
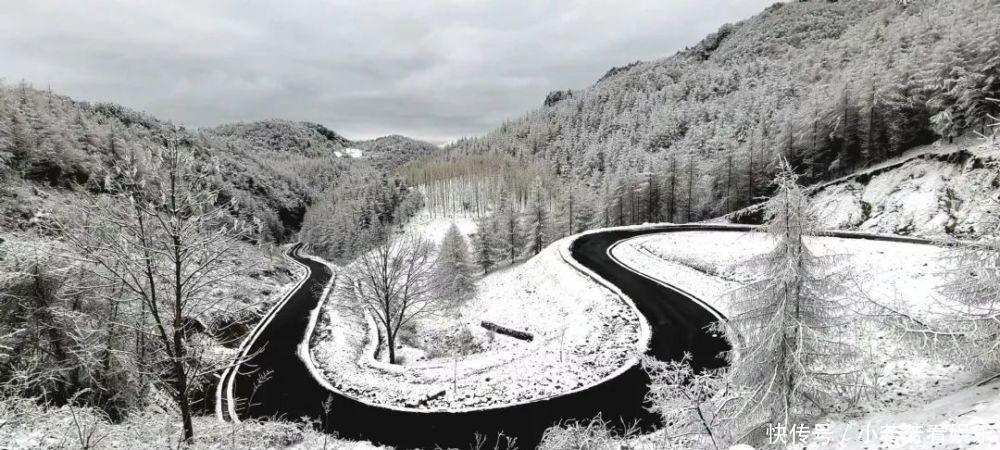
x,y
274,169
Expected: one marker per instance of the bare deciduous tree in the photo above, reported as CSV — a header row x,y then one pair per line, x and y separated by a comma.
x,y
395,283
162,236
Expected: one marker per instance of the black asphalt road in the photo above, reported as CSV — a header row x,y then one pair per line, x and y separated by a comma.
x,y
677,325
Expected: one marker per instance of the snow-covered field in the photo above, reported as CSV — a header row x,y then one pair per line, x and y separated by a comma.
x,y
922,402
582,334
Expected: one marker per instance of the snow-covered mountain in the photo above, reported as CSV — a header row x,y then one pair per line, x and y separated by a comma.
x,y
832,87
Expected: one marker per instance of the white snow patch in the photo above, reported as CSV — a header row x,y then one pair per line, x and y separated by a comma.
x,y
433,226
353,152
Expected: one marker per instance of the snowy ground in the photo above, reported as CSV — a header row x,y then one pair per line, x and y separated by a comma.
x,y
926,196
922,402
583,333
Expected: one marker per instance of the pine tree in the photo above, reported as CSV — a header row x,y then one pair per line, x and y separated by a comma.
x,y
787,347
670,191
846,127
906,117
871,140
569,213
484,249
653,198
730,200
750,172
616,202
583,211
536,223
689,204
454,270
6,142
509,228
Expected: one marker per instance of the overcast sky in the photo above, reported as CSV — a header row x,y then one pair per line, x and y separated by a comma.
x,y
431,70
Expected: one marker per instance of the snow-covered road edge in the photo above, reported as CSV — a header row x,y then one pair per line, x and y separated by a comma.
x,y
241,351
645,335
564,247
611,253
303,349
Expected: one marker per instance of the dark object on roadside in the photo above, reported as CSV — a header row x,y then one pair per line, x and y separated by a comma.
x,y
516,334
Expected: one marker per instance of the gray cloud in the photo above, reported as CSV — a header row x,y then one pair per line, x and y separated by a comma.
x,y
432,70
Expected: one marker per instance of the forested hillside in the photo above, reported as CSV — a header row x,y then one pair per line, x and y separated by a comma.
x,y
103,209
830,86
273,170
390,152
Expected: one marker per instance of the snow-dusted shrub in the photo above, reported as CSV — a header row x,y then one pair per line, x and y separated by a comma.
x,y
594,434
691,405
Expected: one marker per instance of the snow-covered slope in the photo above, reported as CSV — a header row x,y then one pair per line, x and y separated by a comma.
x,y
923,402
944,191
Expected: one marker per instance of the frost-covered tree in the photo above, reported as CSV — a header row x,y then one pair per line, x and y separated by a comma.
x,y
669,191
509,233
569,208
394,283
973,284
453,266
61,339
692,404
536,223
791,347
339,225
485,252
163,237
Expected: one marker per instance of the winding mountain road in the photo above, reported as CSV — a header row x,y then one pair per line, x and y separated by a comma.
x,y
273,381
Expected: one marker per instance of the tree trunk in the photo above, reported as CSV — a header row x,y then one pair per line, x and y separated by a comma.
x,y
570,231
729,185
672,205
750,174
690,199
180,384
